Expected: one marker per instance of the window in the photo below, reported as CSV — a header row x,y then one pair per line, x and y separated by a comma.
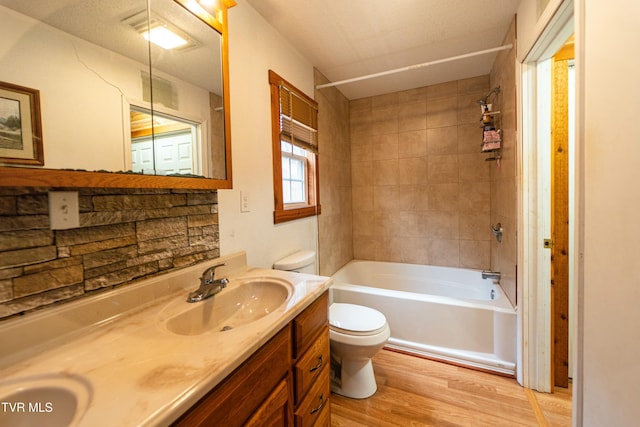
x,y
295,151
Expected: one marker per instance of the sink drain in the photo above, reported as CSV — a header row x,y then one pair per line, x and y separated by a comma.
x,y
226,328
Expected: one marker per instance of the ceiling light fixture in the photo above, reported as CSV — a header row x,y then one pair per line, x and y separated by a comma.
x,y
164,37
159,31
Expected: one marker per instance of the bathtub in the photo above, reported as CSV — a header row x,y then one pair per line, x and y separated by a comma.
x,y
448,314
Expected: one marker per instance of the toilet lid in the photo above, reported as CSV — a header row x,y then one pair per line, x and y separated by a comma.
x,y
356,319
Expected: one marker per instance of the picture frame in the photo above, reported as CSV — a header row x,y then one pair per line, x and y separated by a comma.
x,y
20,125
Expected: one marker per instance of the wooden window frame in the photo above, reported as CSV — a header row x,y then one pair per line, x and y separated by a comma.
x,y
282,212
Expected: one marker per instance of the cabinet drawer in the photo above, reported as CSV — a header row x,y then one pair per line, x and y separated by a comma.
x,y
309,323
316,404
309,366
274,412
233,401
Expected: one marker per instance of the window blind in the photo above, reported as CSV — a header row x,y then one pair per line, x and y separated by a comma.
x,y
298,119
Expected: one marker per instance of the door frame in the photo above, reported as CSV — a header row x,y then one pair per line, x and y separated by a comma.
x,y
534,200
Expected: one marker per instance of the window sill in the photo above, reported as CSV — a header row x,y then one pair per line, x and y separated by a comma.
x,y
280,216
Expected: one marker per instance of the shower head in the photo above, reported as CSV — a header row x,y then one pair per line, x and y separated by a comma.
x,y
484,101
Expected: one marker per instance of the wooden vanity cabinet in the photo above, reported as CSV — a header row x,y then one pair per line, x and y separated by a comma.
x,y
256,387
311,360
285,383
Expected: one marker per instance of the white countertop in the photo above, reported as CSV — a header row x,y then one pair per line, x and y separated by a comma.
x,y
135,371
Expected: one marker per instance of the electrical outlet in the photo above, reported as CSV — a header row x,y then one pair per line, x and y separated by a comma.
x,y
64,211
244,202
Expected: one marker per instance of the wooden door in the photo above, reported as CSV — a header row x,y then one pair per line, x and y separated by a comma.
x,y
560,216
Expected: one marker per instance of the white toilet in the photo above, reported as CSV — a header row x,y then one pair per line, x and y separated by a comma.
x,y
356,334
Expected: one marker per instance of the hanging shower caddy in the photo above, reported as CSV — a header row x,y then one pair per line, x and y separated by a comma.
x,y
491,132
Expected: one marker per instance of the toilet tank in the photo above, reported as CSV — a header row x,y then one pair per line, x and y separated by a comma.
x,y
301,261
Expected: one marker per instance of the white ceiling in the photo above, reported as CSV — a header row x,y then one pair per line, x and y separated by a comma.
x,y
350,38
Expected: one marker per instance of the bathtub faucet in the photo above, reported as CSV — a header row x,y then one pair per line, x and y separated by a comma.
x,y
495,275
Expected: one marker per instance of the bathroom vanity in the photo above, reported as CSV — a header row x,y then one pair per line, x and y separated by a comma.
x,y
258,393
141,355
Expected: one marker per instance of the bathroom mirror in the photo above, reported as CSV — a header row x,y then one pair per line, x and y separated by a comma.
x,y
116,109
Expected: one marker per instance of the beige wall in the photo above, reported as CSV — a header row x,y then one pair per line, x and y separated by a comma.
x,y
335,223
421,187
608,176
503,180
255,47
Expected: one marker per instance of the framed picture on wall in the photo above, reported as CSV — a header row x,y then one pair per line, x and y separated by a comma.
x,y
20,125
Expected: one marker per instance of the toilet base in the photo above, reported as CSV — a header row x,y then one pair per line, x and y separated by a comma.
x,y
355,380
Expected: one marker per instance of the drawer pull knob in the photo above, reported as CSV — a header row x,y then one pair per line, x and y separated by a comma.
x,y
318,366
322,403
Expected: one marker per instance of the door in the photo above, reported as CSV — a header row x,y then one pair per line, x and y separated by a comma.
x,y
560,251
164,154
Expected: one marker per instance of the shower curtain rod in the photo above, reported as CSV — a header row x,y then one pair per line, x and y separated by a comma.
x,y
414,67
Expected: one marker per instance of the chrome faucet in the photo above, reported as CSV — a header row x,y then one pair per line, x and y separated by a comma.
x,y
495,275
208,285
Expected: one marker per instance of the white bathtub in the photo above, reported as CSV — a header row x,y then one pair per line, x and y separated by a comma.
x,y
449,314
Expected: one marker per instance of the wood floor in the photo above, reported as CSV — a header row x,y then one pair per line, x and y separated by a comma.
x,y
419,392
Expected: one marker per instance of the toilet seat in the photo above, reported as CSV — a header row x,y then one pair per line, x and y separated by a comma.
x,y
352,319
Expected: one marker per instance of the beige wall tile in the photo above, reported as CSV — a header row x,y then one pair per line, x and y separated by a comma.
x,y
412,95
362,174
443,169
442,112
442,140
412,144
385,147
429,185
361,150
387,100
504,180
384,126
475,226
475,254
475,197
415,250
440,225
468,109
361,104
469,138
412,171
362,199
364,247
363,223
385,172
442,90
444,252
473,85
443,197
386,198
473,167
412,116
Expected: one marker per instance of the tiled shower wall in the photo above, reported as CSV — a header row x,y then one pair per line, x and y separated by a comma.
x,y
124,235
335,224
504,179
421,187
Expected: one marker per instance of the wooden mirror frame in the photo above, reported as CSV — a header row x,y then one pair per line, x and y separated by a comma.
x,y
41,177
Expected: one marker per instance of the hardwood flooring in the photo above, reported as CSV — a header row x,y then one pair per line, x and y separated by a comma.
x,y
418,392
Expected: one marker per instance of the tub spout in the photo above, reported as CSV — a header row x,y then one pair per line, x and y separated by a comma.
x,y
495,275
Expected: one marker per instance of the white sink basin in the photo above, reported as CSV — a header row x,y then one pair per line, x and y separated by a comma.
x,y
233,307
44,400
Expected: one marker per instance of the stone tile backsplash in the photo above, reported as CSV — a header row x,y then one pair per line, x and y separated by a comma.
x,y
124,235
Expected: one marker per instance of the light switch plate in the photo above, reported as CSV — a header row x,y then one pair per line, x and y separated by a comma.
x,y
244,202
64,211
